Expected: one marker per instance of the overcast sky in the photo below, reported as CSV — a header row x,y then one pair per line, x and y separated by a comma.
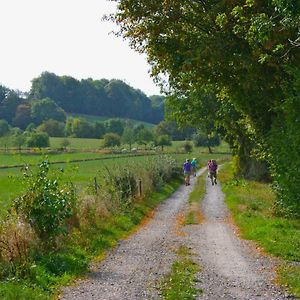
x,y
66,37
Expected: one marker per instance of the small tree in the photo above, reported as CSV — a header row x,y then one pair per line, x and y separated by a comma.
x,y
204,140
128,137
163,140
144,136
187,146
52,127
18,139
4,128
46,204
38,139
111,140
64,143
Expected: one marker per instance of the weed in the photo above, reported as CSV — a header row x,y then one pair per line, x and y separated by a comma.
x,y
180,283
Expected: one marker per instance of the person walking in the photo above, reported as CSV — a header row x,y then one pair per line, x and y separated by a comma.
x,y
212,169
194,166
187,167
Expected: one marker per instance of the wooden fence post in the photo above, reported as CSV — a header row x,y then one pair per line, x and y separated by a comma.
x,y
140,187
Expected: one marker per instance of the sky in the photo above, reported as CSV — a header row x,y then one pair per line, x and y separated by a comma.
x,y
66,37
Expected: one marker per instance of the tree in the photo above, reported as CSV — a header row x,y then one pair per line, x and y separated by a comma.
x,y
187,146
22,116
144,136
111,139
4,128
8,104
18,139
163,140
99,130
52,128
114,126
38,139
45,109
204,140
128,137
82,128
65,143
245,54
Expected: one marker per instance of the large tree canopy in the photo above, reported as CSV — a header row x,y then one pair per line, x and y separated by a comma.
x,y
110,98
241,56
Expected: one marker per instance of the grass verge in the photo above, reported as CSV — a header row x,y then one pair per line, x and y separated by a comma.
x,y
194,215
180,283
251,204
47,273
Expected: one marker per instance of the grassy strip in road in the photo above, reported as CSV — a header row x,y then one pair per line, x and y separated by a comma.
x,y
251,204
196,196
180,283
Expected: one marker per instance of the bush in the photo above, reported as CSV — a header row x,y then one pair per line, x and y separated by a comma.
x,y
38,139
4,128
187,147
47,204
111,140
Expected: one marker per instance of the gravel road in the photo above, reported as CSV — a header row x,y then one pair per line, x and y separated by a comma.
x,y
231,267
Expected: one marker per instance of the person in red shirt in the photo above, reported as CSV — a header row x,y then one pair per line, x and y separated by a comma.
x,y
212,171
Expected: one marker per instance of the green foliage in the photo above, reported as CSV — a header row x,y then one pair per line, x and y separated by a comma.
x,y
230,65
128,136
114,126
22,116
15,291
187,146
290,278
38,139
144,136
253,212
252,206
109,98
45,109
201,139
64,143
52,128
47,204
111,140
4,128
162,140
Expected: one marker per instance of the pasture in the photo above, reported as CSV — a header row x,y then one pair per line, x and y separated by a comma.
x,y
80,167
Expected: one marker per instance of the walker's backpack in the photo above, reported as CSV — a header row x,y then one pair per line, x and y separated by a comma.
x,y
213,166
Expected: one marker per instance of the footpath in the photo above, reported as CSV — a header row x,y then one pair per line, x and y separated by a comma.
x,y
231,268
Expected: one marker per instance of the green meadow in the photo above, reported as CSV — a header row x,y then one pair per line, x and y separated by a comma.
x,y
80,167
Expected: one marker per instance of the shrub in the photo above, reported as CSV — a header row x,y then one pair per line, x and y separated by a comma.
x,y
47,204
187,147
111,140
38,139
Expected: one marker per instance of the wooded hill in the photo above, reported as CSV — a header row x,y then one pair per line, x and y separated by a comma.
x,y
108,98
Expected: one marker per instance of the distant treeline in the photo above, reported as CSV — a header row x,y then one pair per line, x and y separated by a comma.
x,y
108,98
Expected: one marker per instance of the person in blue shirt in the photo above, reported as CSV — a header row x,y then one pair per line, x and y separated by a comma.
x,y
194,166
187,168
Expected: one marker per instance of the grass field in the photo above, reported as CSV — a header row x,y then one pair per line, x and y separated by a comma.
x,y
80,173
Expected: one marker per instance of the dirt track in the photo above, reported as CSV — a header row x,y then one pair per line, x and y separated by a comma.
x,y
231,268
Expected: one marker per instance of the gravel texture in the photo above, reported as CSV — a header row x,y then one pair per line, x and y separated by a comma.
x,y
231,268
